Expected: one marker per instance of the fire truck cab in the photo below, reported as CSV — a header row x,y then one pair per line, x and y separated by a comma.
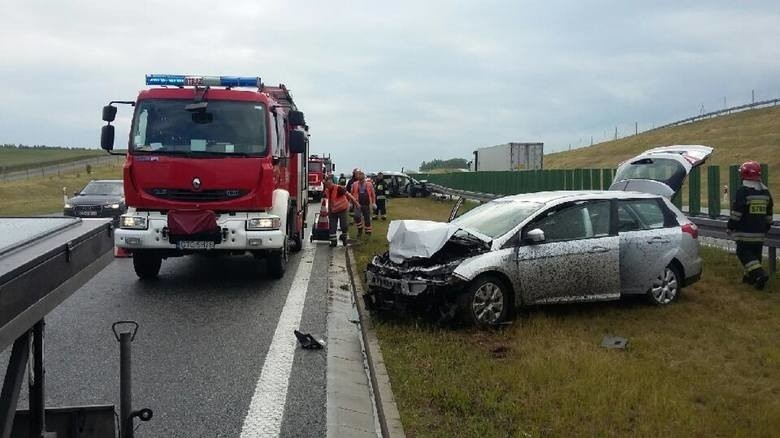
x,y
319,168
213,165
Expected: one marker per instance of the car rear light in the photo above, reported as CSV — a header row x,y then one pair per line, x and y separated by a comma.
x,y
691,229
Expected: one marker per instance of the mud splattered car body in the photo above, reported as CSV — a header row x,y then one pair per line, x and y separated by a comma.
x,y
546,247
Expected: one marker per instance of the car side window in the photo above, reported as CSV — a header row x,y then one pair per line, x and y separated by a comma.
x,y
640,214
579,221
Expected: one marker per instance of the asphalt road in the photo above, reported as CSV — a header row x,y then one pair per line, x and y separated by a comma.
x,y
205,329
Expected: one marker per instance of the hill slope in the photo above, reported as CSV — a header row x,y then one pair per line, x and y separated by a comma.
x,y
736,138
747,135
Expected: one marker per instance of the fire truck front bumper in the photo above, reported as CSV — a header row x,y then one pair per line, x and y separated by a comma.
x,y
238,233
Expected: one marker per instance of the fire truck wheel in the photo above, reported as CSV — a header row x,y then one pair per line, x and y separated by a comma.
x,y
277,261
147,266
297,243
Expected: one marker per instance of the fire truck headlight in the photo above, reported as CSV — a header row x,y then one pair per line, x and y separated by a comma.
x,y
263,223
133,222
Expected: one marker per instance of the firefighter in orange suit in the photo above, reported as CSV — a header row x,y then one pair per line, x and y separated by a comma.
x,y
339,200
363,192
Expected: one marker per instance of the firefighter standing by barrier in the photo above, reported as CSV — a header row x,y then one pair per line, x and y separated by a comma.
x,y
363,191
339,200
380,188
750,220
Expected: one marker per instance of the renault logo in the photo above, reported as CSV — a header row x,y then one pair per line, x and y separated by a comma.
x,y
196,183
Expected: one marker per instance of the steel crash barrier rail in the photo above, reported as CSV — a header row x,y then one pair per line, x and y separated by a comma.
x,y
714,227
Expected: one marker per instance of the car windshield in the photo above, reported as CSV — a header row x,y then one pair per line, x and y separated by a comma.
x,y
665,170
103,188
218,128
496,218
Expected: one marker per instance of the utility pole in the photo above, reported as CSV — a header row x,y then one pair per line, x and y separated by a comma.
x,y
636,128
591,140
753,96
615,132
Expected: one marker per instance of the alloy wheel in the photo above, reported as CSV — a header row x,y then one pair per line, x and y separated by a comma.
x,y
665,287
488,303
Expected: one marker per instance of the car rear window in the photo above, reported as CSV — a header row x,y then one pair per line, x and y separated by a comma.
x,y
667,171
642,214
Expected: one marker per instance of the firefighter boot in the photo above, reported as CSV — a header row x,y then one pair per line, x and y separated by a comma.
x,y
344,238
746,279
761,281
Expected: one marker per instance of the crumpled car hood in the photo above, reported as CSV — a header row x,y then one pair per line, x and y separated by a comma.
x,y
410,239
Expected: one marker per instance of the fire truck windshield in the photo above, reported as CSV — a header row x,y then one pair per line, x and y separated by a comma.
x,y
315,166
221,128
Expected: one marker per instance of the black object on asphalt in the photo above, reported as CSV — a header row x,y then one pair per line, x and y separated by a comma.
x,y
307,341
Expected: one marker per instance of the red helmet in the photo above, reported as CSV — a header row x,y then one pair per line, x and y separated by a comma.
x,y
750,170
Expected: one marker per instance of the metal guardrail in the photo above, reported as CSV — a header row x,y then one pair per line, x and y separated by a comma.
x,y
708,226
770,102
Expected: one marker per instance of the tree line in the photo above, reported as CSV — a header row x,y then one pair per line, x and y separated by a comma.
x,y
39,146
452,163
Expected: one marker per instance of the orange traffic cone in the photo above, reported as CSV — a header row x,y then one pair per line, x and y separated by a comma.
x,y
121,253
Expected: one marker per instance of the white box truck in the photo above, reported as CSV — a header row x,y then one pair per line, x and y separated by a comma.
x,y
509,156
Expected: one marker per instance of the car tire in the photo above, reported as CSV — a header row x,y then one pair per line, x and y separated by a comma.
x,y
485,301
147,266
666,286
277,260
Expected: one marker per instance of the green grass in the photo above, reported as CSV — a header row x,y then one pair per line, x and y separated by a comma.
x,y
13,159
742,136
708,365
41,195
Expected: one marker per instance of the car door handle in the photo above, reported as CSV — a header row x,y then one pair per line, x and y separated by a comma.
x,y
597,249
658,240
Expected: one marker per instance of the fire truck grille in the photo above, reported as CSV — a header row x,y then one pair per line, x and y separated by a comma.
x,y
197,196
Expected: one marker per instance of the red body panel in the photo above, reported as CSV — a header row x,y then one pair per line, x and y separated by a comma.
x,y
147,176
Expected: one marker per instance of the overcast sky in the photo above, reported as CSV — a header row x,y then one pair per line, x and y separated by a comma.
x,y
393,83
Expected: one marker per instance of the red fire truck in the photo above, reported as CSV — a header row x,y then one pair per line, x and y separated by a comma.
x,y
319,168
215,164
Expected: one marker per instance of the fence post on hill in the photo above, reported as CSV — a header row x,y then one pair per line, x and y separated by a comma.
x,y
713,191
694,191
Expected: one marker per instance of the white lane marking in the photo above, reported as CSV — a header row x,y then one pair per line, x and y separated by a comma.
x,y
266,410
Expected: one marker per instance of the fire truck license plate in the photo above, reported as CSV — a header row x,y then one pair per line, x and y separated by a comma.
x,y
195,244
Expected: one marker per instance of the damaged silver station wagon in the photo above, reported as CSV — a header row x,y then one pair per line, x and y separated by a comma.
x,y
549,247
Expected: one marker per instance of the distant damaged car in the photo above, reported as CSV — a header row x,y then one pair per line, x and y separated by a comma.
x,y
549,247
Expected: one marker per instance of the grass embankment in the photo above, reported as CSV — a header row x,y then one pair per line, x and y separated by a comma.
x,y
41,195
708,365
15,159
742,136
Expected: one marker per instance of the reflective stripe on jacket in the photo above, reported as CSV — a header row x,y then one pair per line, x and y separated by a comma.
x,y
751,212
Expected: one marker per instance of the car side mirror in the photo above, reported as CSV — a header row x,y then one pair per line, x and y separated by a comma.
x,y
297,142
535,236
76,193
109,113
107,137
295,118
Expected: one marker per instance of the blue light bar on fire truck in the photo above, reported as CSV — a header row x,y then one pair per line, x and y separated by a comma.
x,y
203,81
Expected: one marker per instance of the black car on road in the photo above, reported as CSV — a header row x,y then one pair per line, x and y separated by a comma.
x,y
99,198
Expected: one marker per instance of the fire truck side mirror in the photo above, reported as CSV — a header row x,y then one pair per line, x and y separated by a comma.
x,y
297,142
109,113
296,118
107,137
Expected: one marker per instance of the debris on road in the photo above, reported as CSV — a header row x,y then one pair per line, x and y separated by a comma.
x,y
308,342
615,342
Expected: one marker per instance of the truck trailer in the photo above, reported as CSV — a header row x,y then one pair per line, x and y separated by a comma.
x,y
214,164
509,156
